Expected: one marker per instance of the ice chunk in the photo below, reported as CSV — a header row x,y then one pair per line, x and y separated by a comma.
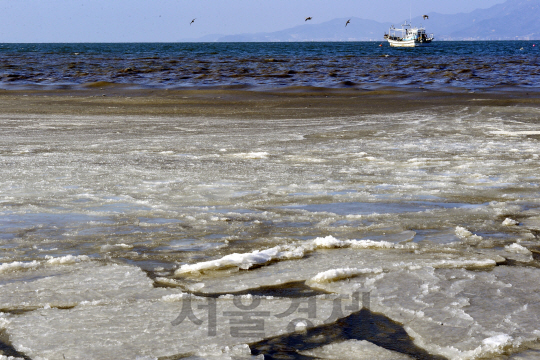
x,y
331,242
258,257
237,352
18,265
510,222
173,297
339,274
354,349
457,313
285,252
75,283
526,355
466,235
496,342
243,261
516,248
514,252
532,223
68,259
113,247
252,155
162,328
324,260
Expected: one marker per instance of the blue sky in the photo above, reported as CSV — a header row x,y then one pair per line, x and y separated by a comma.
x,y
168,20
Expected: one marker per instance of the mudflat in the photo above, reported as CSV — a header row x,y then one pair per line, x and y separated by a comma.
x,y
279,103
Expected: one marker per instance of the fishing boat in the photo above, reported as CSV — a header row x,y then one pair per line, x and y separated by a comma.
x,y
408,36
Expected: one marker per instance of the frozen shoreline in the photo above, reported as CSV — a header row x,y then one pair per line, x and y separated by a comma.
x,y
114,207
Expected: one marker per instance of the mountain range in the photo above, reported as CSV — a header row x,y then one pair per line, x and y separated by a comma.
x,y
511,20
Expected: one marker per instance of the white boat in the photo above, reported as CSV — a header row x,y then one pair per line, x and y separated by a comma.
x,y
408,36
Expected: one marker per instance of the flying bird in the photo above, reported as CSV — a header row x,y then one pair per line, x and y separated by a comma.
x,y
425,17
348,22
192,21
308,18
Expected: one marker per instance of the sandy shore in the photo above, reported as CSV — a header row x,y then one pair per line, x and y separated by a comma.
x,y
240,103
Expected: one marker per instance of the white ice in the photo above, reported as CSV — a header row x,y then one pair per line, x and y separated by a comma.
x,y
223,205
354,349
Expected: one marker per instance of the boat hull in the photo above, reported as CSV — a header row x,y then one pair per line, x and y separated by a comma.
x,y
408,43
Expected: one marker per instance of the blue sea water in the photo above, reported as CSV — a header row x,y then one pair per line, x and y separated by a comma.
x,y
466,64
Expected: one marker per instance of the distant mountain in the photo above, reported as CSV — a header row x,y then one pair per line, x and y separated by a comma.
x,y
333,30
511,20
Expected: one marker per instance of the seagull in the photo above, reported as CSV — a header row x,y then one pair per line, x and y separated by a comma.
x,y
425,17
348,22
192,21
308,18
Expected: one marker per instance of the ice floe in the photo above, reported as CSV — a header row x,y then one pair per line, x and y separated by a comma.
x,y
354,349
285,252
157,328
459,314
74,284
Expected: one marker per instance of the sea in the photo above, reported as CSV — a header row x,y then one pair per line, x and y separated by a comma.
x,y
403,235
467,65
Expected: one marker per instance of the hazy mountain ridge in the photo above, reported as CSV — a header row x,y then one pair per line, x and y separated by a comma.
x,y
511,20
333,30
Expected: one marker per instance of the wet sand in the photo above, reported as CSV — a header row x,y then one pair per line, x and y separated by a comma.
x,y
281,103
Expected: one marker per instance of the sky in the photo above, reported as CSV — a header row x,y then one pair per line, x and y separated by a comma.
x,y
169,20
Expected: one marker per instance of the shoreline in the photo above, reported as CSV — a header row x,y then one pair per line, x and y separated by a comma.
x,y
292,102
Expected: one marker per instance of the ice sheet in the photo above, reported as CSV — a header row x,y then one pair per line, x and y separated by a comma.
x,y
145,328
288,252
411,205
458,313
354,349
76,284
329,259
